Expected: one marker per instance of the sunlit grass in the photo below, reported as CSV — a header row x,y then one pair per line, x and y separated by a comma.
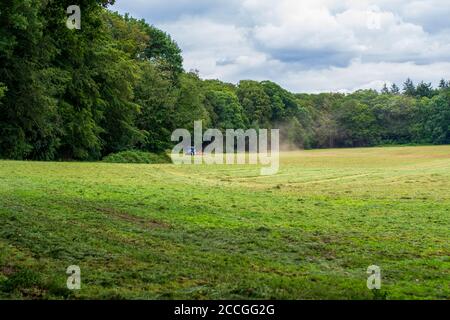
x,y
225,231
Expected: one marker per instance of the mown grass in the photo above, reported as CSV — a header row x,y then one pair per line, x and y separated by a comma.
x,y
224,232
134,156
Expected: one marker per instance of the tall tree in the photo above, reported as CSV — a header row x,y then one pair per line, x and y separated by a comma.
x,y
409,88
28,120
163,51
436,119
395,89
444,84
157,98
357,125
227,111
255,102
424,90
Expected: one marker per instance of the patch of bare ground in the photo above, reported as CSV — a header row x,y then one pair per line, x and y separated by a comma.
x,y
7,270
127,217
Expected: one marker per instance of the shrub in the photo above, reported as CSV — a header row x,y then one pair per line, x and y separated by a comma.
x,y
133,156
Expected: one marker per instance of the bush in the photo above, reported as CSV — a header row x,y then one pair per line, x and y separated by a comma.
x,y
137,157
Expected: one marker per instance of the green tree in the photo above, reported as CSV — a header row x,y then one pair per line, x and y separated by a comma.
x,y
226,110
436,118
409,88
83,57
385,89
162,50
326,131
395,117
255,102
424,90
190,103
155,94
444,84
395,89
28,113
357,125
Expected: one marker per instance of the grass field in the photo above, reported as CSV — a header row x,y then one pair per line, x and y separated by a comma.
x,y
224,232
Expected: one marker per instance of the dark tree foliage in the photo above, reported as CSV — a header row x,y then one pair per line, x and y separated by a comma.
x,y
424,90
395,89
255,102
408,88
444,84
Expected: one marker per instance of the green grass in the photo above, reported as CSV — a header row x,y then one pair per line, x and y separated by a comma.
x,y
133,156
224,232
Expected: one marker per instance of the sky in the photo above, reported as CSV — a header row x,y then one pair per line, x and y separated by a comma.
x,y
307,45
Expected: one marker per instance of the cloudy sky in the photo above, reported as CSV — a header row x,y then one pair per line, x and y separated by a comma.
x,y
307,45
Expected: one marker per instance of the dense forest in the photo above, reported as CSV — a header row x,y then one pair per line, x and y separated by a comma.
x,y
118,84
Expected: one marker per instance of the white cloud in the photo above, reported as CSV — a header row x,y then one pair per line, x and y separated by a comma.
x,y
321,45
217,50
360,75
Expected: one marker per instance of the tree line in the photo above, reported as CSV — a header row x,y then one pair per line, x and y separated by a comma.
x,y
118,84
